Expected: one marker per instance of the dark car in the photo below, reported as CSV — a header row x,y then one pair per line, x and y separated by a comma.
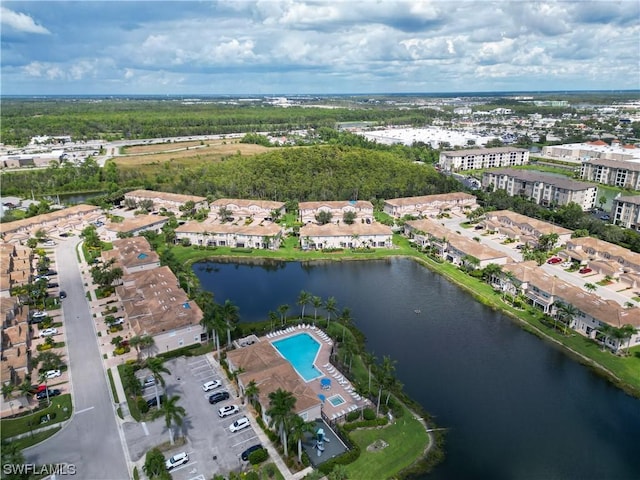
x,y
218,397
52,285
53,392
63,294
249,451
153,401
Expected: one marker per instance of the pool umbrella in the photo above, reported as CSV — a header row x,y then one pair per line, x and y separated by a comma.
x,y
325,383
322,397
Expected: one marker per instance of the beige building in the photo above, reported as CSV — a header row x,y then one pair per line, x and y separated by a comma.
x,y
71,219
262,364
15,361
132,255
154,304
430,205
522,228
15,267
265,235
597,150
617,173
358,235
626,212
605,258
542,188
477,158
169,201
363,210
257,210
136,225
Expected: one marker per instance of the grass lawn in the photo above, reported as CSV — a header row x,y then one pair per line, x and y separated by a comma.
x,y
16,426
29,441
407,441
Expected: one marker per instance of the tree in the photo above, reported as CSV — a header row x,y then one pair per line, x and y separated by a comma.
x,y
26,388
606,331
173,414
625,333
590,287
316,302
369,360
346,320
154,466
283,309
323,217
224,214
280,412
547,242
567,313
349,217
228,312
48,360
297,430
331,307
7,390
388,369
304,298
252,391
491,271
12,455
157,368
273,318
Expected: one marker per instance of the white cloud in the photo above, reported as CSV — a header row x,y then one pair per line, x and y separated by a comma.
x,y
21,22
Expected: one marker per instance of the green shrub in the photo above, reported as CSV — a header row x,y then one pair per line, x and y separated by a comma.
x,y
142,405
136,475
353,416
270,470
258,456
252,475
369,414
377,422
179,352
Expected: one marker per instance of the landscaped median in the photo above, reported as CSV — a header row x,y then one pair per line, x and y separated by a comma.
x,y
28,425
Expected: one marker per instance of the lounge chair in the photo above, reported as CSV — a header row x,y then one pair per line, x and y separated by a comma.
x,y
326,365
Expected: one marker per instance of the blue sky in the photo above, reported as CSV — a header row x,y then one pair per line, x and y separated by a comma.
x,y
324,47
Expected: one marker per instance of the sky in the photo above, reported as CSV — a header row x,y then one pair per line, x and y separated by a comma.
x,y
280,47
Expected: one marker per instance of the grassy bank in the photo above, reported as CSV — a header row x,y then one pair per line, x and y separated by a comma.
x,y
60,407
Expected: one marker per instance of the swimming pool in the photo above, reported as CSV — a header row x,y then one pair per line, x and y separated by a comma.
x,y
336,400
300,351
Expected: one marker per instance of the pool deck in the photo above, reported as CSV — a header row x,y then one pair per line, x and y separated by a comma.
x,y
339,384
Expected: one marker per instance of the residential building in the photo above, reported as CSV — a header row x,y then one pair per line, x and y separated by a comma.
x,y
626,212
542,188
430,205
165,200
15,267
522,228
605,258
357,235
363,210
262,364
132,255
155,305
136,225
617,173
596,150
264,235
476,158
257,210
71,219
16,341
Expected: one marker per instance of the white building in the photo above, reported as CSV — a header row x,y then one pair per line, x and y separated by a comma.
x,y
618,173
476,158
358,235
266,235
626,212
430,205
363,210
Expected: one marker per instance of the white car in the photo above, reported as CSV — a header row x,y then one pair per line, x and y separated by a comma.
x,y
177,460
228,410
211,385
240,424
47,332
52,373
38,314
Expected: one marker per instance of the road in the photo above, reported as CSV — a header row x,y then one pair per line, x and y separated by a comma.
x,y
91,441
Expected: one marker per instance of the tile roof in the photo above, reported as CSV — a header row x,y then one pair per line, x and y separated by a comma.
x,y
426,199
166,196
333,230
136,223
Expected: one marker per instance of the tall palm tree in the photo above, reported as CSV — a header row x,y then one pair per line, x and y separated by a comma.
x,y
345,319
297,430
228,311
304,298
147,343
385,377
173,414
283,309
157,368
7,390
26,388
280,412
606,331
626,332
317,303
251,392
331,307
369,359
567,312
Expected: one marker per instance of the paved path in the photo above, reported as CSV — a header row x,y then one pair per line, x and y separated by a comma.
x,y
91,440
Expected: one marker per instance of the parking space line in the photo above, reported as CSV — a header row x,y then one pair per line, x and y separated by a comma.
x,y
245,441
190,464
144,428
199,477
196,362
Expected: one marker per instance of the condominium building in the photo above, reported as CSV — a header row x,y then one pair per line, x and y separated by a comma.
x,y
430,205
597,150
457,160
246,209
522,228
542,188
626,212
362,209
617,173
169,201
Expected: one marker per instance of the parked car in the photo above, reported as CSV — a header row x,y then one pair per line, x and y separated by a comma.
x,y
240,424
52,285
38,314
47,332
49,243
228,410
211,385
218,397
177,460
63,294
554,260
118,321
42,394
565,264
585,270
149,381
52,373
153,401
245,455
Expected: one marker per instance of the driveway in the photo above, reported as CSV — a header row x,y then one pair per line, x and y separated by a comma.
x,y
91,441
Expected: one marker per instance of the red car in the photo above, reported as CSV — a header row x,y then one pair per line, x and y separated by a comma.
x,y
585,270
554,260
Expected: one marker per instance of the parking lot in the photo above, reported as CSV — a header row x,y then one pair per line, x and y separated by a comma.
x,y
211,447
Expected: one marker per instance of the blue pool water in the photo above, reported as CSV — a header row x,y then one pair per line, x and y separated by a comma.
x,y
336,400
300,351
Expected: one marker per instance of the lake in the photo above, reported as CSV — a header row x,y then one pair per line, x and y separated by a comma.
x,y
516,406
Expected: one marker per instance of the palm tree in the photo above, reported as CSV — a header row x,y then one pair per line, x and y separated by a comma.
x,y
331,306
26,388
229,314
280,412
172,413
346,320
273,318
385,377
317,303
606,331
297,430
304,298
42,377
157,368
590,287
48,361
147,343
626,332
251,392
7,390
135,343
283,309
369,359
567,313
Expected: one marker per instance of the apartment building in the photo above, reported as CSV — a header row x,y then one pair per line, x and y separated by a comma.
x,y
265,235
16,341
477,158
169,201
617,173
363,210
256,210
15,267
522,228
542,188
430,205
596,150
357,235
136,225
132,255
605,258
626,212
